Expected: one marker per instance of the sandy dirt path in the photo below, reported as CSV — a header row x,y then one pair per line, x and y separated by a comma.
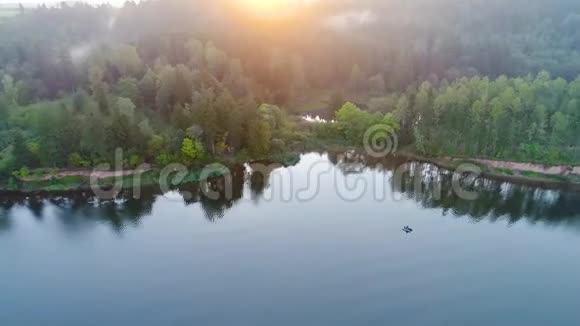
x,y
87,173
539,168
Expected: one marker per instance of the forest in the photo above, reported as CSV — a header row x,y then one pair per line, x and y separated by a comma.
x,y
530,119
187,81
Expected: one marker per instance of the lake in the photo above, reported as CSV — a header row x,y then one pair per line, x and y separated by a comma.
x,y
318,243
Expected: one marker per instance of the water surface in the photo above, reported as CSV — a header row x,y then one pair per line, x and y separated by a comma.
x,y
268,256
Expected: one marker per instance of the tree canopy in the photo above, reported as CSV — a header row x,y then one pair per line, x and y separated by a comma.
x,y
167,80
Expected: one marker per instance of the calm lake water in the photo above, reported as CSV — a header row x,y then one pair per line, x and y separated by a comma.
x,y
280,253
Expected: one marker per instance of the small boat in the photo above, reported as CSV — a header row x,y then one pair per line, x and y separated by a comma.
x,y
407,229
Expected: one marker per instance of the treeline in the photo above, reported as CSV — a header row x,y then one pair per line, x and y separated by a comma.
x,y
524,119
50,52
529,119
318,45
157,114
183,80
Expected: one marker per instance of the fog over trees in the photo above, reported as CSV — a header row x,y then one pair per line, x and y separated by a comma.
x,y
184,80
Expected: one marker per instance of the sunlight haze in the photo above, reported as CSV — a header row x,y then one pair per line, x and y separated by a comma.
x,y
290,162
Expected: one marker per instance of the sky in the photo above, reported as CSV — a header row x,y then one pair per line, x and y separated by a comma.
x,y
112,2
50,2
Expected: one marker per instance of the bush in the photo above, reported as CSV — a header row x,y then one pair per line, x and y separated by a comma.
x,y
278,145
24,172
12,184
164,159
135,160
75,160
191,150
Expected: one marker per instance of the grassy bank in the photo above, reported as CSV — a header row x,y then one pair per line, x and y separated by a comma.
x,y
44,181
528,178
82,183
152,178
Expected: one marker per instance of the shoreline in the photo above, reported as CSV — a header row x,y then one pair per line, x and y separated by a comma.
x,y
490,172
75,181
69,181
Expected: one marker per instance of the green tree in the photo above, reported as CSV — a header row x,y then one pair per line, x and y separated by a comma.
x,y
353,122
126,108
93,139
196,52
148,87
191,150
99,88
126,59
3,109
10,89
128,87
217,61
155,145
80,100
206,116
560,129
165,94
20,153
259,137
336,102
183,84
235,80
119,132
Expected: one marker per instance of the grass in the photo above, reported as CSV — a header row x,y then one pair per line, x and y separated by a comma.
x,y
63,184
150,178
71,183
504,171
513,175
536,175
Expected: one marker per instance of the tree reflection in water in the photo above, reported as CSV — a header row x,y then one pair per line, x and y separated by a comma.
x,y
497,200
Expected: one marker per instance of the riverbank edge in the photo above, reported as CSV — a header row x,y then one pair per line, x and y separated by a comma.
x,y
148,178
151,177
541,181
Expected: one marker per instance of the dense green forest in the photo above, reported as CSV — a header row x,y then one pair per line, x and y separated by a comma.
x,y
533,118
184,81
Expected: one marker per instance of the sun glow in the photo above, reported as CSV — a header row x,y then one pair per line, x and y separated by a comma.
x,y
265,6
269,8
